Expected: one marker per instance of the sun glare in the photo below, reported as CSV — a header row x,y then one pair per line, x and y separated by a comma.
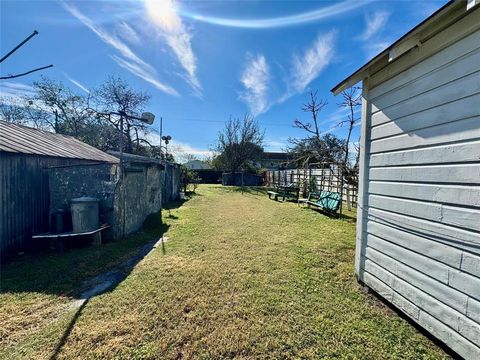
x,y
164,14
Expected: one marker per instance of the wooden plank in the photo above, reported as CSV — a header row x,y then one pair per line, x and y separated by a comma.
x,y
449,235
449,296
430,248
380,288
445,133
464,348
464,282
467,174
429,304
419,262
443,113
446,153
455,90
447,194
471,264
467,218
473,309
457,68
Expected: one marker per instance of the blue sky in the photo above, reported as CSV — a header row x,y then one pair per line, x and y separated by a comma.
x,y
204,61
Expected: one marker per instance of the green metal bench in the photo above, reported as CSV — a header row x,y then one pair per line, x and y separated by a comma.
x,y
326,201
285,191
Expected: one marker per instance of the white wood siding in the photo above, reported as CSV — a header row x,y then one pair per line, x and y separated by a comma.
x,y
418,233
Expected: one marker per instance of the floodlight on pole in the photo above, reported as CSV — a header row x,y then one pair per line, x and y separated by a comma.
x,y
147,117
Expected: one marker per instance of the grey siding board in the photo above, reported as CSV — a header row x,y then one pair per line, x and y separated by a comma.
x,y
419,243
445,153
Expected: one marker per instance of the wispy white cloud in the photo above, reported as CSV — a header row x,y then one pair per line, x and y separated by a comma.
x,y
18,94
254,79
131,62
308,66
77,83
144,74
374,24
164,15
127,32
14,93
12,87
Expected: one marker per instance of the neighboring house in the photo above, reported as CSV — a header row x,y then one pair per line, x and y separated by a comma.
x,y
25,156
276,160
197,165
418,223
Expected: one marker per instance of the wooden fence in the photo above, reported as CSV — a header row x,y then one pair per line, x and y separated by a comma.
x,y
326,178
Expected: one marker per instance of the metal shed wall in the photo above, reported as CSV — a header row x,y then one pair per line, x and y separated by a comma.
x,y
24,197
418,230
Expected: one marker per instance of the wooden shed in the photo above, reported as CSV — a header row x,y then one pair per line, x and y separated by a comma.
x,y
25,156
418,224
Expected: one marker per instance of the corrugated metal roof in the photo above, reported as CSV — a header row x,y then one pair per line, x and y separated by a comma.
x,y
22,139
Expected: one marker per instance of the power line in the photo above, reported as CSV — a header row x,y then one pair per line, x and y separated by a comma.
x,y
25,73
219,121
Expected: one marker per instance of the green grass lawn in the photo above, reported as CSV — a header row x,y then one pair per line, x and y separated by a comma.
x,y
240,276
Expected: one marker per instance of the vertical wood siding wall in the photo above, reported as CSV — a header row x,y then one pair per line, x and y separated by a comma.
x,y
24,197
419,231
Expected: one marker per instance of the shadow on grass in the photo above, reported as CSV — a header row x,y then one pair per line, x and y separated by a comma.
x,y
83,273
252,190
70,273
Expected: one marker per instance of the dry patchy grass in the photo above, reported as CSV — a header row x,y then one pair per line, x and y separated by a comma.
x,y
240,277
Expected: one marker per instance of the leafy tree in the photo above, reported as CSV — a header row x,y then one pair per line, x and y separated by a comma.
x,y
55,107
116,95
239,145
63,110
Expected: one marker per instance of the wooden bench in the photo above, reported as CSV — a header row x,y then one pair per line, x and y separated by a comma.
x,y
56,239
326,201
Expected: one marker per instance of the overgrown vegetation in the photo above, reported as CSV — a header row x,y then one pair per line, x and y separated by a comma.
x,y
240,276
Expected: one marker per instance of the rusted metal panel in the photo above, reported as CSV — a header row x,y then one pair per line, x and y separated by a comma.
x,y
21,139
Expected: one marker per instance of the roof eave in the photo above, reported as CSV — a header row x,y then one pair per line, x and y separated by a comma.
x,y
399,47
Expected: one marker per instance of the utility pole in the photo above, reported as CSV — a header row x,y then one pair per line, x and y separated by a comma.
x,y
162,178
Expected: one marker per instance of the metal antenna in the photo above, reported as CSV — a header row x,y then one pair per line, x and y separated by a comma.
x,y
15,49
19,45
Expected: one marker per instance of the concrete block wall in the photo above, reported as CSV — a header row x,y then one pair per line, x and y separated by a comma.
x,y
124,204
